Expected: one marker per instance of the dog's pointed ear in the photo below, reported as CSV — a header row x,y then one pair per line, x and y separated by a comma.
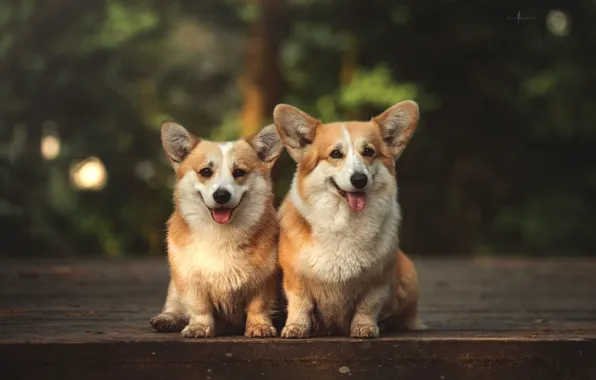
x,y
267,144
177,142
397,125
296,128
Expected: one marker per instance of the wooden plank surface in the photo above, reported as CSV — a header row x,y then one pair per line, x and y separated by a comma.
x,y
505,317
97,300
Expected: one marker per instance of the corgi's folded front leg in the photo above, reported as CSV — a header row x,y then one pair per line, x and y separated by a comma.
x,y
300,308
259,310
172,318
202,322
365,321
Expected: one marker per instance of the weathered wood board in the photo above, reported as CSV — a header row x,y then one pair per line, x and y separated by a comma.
x,y
488,318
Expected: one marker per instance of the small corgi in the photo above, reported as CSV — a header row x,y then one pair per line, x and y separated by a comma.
x,y
222,235
343,272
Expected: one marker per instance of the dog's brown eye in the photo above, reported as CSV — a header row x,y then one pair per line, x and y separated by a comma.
x,y
368,152
206,172
237,173
336,154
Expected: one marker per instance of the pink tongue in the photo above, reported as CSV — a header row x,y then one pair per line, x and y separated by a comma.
x,y
357,201
221,215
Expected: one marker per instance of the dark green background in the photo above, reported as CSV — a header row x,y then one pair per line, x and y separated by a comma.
x,y
502,162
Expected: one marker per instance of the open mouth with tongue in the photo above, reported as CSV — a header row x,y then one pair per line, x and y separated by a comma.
x,y
221,215
356,199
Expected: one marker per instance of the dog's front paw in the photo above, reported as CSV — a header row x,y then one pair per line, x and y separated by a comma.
x,y
260,331
295,331
168,322
198,331
364,331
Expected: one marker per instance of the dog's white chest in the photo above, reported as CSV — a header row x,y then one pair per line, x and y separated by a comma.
x,y
221,267
334,261
340,257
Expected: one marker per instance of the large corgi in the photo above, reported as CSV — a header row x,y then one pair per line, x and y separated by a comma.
x,y
342,270
222,236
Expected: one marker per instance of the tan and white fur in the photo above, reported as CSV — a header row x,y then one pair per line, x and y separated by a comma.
x,y
222,236
343,272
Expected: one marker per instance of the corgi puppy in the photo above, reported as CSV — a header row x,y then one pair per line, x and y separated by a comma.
x,y
222,236
342,270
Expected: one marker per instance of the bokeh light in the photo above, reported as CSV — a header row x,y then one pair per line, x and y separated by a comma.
x,y
50,147
558,22
89,174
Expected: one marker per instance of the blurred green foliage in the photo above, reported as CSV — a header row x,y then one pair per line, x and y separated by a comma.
x,y
500,163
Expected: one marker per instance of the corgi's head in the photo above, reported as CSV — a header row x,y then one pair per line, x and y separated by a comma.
x,y
221,182
346,167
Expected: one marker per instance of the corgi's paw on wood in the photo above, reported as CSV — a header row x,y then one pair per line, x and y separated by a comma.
x,y
364,331
295,331
198,330
168,322
260,331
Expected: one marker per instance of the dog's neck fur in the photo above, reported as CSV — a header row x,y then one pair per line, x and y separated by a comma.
x,y
347,245
222,255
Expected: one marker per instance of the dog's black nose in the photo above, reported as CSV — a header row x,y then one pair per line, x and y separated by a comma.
x,y
359,180
221,196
